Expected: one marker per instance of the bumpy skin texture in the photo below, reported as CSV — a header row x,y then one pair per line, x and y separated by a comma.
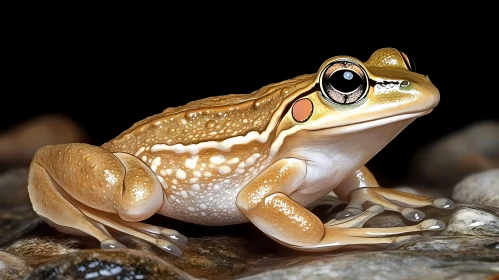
x,y
259,157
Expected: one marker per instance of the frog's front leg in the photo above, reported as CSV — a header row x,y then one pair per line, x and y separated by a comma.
x,y
267,204
361,187
89,189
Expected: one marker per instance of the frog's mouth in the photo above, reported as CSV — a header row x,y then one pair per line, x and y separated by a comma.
x,y
358,126
352,127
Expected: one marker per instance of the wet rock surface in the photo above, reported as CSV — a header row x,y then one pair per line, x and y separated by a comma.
x,y
467,249
479,188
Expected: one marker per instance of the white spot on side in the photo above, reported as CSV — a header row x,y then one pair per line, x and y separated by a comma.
x,y
162,172
232,160
203,213
192,193
207,174
180,174
191,209
251,160
195,187
216,187
184,194
224,169
172,197
155,163
139,151
168,172
239,171
144,158
203,206
193,180
191,162
183,121
218,159
196,174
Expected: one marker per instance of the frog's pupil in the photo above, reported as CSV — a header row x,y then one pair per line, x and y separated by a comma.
x,y
345,81
348,75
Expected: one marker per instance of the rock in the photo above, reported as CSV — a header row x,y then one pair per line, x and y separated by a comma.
x,y
480,188
448,160
19,143
98,264
14,186
12,267
384,265
243,252
17,220
475,222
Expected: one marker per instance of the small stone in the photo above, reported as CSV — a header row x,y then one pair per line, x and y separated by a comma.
x,y
479,188
469,221
12,267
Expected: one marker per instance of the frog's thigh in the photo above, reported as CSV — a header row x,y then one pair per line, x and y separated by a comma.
x,y
84,187
266,203
361,186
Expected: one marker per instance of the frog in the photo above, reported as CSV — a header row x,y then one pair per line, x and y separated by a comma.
x,y
262,157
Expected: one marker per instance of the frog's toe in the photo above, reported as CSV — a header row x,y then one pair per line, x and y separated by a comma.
x,y
345,214
111,244
168,247
412,214
350,211
444,203
355,220
173,235
432,224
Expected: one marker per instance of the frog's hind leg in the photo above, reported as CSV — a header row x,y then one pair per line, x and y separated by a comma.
x,y
51,205
87,188
149,233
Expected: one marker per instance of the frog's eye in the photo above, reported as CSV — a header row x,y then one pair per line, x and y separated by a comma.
x,y
344,82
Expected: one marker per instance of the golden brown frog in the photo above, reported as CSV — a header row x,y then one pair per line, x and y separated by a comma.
x,y
260,157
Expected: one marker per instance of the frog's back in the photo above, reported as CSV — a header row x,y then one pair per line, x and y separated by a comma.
x,y
210,119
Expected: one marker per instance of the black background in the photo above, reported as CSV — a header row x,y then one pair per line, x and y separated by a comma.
x,y
107,73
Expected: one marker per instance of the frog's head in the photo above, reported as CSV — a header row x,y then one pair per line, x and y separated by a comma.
x,y
348,96
348,91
